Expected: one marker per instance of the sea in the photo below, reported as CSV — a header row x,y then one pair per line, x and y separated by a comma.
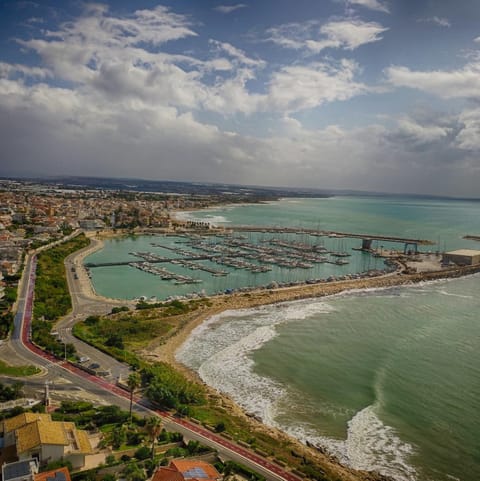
x,y
386,379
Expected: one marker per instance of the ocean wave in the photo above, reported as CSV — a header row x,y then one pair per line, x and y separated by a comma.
x,y
220,351
370,445
462,296
185,215
229,327
194,216
216,219
231,371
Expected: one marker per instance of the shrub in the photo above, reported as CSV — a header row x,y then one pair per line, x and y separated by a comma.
x,y
142,453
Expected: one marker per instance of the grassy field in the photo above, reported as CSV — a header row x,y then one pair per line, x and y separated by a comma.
x,y
17,371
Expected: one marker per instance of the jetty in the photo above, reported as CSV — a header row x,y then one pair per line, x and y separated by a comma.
x,y
367,239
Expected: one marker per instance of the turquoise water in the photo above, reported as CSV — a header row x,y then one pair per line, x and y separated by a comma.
x,y
387,379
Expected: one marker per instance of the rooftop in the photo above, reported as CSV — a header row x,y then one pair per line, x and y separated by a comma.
x,y
59,474
464,252
19,469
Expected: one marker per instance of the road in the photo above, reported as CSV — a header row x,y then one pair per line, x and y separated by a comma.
x,y
108,391
82,307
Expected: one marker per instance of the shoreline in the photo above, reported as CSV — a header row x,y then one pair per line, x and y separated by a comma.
x,y
236,301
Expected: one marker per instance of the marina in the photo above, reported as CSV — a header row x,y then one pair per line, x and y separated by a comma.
x,y
246,259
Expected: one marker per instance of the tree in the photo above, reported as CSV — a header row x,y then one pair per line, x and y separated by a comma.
x,y
17,389
133,382
119,436
154,427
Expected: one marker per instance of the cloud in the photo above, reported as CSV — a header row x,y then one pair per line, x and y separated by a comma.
x,y
414,133
237,54
461,83
23,71
295,88
348,34
109,98
229,8
469,136
371,4
439,21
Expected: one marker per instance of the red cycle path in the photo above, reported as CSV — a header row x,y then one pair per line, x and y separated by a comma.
x,y
112,388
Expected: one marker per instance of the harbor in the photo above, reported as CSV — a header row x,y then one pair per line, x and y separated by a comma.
x,y
188,264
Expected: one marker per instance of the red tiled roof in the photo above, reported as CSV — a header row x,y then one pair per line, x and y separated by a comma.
x,y
59,474
195,469
167,474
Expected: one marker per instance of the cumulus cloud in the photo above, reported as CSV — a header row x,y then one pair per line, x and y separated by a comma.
x,y
469,136
413,133
109,99
461,83
295,88
8,70
348,34
229,8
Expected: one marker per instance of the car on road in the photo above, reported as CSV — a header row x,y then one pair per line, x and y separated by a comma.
x,y
94,365
84,359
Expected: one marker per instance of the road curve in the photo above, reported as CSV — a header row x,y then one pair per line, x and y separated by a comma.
x,y
101,387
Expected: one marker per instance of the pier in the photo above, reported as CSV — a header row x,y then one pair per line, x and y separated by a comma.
x,y
410,245
201,257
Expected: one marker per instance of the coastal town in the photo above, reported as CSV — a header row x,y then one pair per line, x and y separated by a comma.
x,y
37,220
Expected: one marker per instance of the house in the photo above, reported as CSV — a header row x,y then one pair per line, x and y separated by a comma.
x,y
187,470
59,474
35,435
20,470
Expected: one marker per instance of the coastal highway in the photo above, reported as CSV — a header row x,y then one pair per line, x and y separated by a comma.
x,y
103,389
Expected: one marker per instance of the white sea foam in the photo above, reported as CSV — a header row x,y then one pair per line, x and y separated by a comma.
x,y
220,350
445,293
194,217
215,219
370,445
185,215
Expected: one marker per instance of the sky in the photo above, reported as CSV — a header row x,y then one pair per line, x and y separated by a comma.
x,y
373,95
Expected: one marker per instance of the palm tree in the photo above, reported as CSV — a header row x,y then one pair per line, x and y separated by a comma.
x,y
153,425
133,382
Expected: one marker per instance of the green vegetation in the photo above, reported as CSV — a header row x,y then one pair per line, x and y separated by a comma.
x,y
123,331
52,298
147,327
231,467
118,331
169,388
17,371
9,393
6,305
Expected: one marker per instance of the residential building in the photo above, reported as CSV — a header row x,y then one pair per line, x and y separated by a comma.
x,y
187,470
36,435
20,470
